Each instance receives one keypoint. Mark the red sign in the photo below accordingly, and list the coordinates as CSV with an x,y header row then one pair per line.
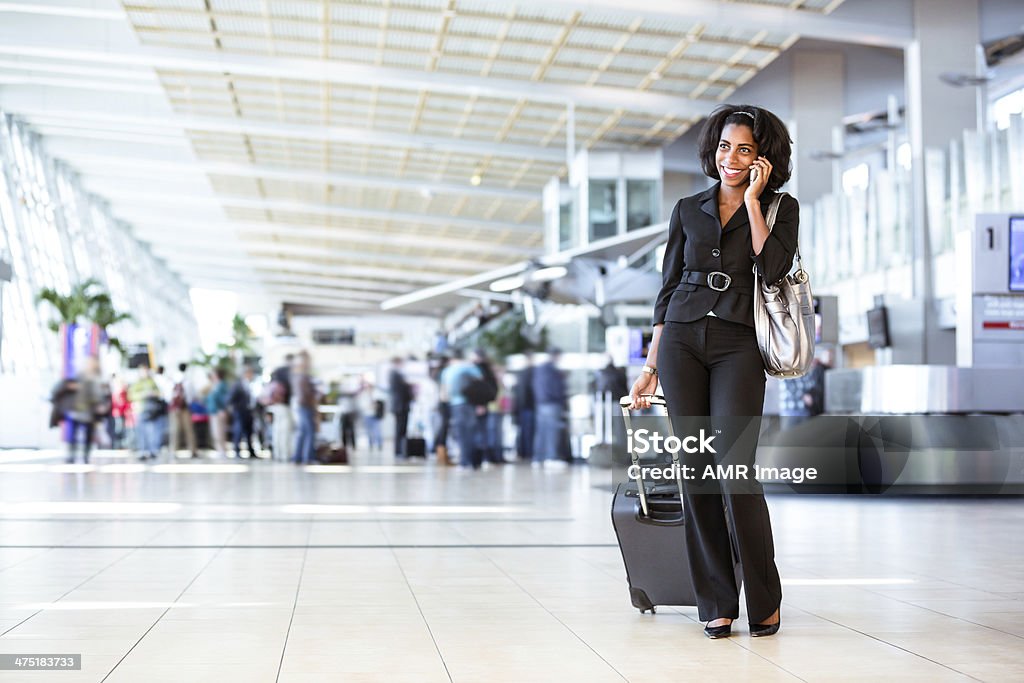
x,y
1003,325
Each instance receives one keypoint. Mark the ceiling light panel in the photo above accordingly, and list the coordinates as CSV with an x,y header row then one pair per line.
x,y
460,45
741,36
191,6
244,27
367,15
295,31
146,20
256,45
304,10
204,40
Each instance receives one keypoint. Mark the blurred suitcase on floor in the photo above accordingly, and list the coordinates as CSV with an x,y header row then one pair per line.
x,y
415,447
328,454
651,529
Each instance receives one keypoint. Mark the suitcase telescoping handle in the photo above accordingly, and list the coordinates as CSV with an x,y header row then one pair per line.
x,y
641,487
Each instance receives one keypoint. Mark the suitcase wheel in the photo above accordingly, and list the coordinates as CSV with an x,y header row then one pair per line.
x,y
653,609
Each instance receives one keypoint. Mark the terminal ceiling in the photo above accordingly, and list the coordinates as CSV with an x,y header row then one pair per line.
x,y
336,154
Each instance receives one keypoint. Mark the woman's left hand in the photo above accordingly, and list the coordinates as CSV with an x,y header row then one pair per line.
x,y
760,172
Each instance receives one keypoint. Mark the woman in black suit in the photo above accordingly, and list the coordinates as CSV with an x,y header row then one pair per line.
x,y
705,352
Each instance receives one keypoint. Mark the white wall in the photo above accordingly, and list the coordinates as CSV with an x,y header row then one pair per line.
x,y
1000,18
25,412
378,338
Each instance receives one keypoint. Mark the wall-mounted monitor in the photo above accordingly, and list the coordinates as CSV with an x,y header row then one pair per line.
x,y
138,355
817,320
639,343
1017,253
878,328
826,319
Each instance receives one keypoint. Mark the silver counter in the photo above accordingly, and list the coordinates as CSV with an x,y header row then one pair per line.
x,y
924,389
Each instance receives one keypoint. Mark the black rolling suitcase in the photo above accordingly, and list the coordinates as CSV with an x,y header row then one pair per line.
x,y
415,447
328,454
650,526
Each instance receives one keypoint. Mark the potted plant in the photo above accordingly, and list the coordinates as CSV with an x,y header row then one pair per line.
x,y
88,302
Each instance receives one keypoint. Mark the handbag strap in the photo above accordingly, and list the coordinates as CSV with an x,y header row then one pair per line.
x,y
773,212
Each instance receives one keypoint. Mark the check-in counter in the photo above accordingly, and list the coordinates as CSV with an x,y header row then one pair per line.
x,y
924,390
905,429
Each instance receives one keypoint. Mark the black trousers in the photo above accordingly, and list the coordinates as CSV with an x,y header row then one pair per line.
x,y
711,368
87,429
241,430
348,430
401,427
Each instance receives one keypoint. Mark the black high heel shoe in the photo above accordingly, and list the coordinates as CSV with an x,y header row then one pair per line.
x,y
762,630
715,632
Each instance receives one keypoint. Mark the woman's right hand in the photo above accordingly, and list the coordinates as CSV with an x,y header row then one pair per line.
x,y
644,386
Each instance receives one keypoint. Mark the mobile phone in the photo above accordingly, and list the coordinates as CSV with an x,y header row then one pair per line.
x,y
753,174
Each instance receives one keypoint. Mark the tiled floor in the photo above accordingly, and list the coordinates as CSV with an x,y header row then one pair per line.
x,y
267,572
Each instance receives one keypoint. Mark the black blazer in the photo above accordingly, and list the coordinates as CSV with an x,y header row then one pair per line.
x,y
698,245
401,392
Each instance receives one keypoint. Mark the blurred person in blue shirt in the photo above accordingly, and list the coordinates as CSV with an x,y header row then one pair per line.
x,y
217,409
456,379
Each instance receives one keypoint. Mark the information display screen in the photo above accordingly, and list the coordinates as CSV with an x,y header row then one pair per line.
x,y
878,328
1017,253
818,320
639,343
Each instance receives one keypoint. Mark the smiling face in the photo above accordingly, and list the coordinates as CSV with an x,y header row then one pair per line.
x,y
736,153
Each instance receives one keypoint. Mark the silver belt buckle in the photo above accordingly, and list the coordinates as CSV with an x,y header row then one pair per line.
x,y
718,273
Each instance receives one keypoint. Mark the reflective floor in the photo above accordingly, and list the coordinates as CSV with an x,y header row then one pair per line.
x,y
258,571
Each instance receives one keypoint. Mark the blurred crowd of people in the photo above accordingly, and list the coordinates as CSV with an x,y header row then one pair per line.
x,y
194,410
466,398
464,409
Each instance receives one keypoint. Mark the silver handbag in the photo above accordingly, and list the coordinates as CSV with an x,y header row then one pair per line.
x,y
784,316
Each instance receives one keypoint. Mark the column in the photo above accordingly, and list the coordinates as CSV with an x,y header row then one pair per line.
x,y
819,79
945,38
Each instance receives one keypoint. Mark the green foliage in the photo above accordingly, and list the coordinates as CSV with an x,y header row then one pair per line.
x,y
220,359
242,334
509,335
88,302
225,356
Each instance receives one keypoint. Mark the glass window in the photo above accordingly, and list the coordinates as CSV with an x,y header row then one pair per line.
x,y
566,225
604,209
856,178
56,234
1007,106
641,203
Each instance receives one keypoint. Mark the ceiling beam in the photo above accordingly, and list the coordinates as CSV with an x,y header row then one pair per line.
x,y
155,199
451,286
363,299
188,232
308,280
240,282
128,73
126,167
776,19
167,138
245,250
35,80
193,262
115,120
608,248
333,302
43,7
369,297
354,73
